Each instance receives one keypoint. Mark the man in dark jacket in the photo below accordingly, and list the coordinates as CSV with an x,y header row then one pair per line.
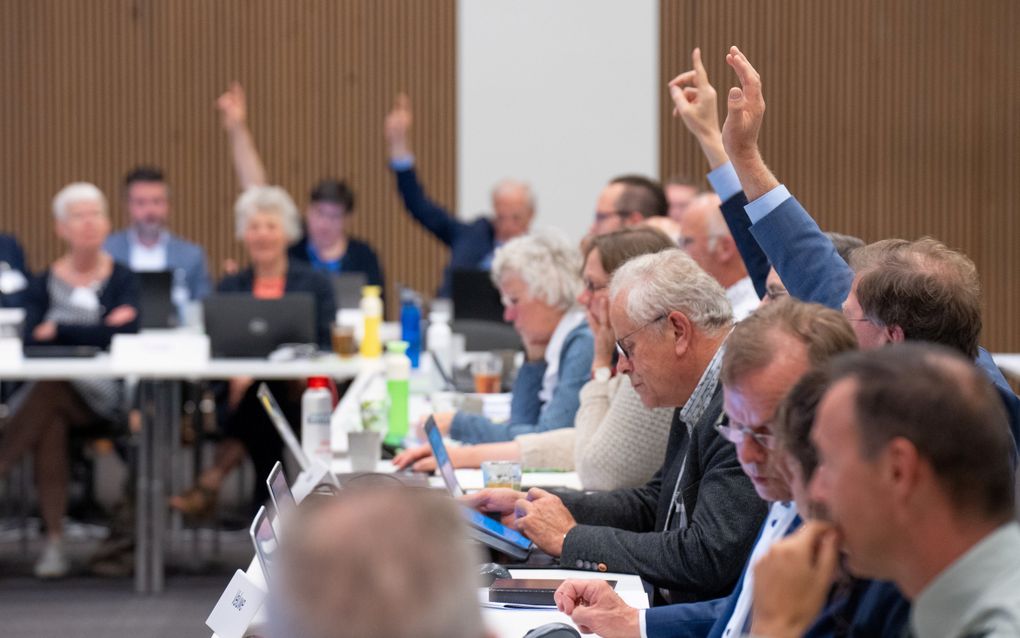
x,y
688,531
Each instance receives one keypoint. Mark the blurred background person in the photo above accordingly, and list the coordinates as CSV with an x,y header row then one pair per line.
x,y
13,272
627,200
680,192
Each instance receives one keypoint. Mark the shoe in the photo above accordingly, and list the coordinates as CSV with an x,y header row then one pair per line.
x,y
199,502
52,562
115,561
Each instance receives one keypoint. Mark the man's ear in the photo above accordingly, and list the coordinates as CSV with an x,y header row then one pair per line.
x,y
895,334
725,248
633,218
901,469
679,327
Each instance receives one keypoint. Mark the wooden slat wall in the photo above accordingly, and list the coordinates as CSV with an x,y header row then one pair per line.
x,y
90,89
885,118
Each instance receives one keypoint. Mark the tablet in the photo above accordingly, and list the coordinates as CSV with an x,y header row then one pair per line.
x,y
496,535
279,492
443,461
264,539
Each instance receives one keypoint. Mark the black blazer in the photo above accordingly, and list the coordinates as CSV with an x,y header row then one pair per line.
x,y
300,278
623,529
119,290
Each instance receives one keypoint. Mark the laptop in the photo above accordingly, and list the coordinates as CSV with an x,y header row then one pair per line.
x,y
347,289
239,325
443,462
279,492
155,304
264,539
474,296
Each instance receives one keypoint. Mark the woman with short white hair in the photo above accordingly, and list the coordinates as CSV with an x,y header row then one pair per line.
x,y
267,222
539,278
83,299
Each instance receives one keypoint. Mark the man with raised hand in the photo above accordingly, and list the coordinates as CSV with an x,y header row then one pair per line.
x,y
688,530
806,259
910,469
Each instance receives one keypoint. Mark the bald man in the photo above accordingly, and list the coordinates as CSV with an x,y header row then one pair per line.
x,y
706,238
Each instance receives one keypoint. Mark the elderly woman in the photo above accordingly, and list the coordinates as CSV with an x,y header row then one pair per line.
x,y
616,441
83,299
267,221
537,276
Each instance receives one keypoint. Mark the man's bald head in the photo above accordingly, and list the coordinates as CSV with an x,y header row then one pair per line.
x,y
706,238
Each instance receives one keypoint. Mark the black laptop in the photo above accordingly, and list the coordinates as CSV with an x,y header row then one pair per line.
x,y
474,296
240,325
347,288
156,305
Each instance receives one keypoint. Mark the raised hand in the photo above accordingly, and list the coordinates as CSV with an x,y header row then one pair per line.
x,y
745,108
694,99
793,579
232,107
595,607
397,126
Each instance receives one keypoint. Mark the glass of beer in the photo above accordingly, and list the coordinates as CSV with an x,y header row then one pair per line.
x,y
502,474
343,340
488,373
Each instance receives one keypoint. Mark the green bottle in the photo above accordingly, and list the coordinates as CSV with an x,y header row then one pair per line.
x,y
398,382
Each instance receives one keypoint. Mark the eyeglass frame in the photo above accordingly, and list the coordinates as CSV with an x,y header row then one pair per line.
x,y
738,432
619,342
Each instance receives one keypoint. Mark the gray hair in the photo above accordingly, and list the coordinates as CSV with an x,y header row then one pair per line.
x,y
549,265
514,187
267,199
669,281
378,562
75,193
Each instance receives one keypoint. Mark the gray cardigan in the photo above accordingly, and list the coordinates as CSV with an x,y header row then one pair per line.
x,y
622,530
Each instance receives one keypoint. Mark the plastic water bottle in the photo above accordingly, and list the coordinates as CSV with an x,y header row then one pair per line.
x,y
372,312
398,382
410,325
439,340
316,411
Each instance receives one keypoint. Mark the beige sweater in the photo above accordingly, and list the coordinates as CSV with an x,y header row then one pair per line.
x,y
615,442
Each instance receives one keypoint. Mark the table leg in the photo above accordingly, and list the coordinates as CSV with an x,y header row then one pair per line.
x,y
143,491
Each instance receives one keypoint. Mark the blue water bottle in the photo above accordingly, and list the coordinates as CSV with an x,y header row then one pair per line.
x,y
410,324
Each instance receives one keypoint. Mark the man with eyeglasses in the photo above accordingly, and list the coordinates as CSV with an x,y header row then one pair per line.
x,y
627,200
765,357
688,530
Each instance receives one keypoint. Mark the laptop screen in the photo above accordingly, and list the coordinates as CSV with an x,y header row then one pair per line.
x,y
264,539
279,490
443,461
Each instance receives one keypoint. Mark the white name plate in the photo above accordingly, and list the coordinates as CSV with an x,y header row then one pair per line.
x,y
159,350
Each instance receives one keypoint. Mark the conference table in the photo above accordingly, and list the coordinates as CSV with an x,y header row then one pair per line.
x,y
158,382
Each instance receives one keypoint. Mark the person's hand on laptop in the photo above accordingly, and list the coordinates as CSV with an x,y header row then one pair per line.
x,y
499,500
419,459
595,607
544,519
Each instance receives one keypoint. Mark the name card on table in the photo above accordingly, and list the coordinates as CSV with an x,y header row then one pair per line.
x,y
236,609
157,350
10,352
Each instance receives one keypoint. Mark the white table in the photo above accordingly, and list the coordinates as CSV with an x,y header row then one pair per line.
x,y
159,398
1010,362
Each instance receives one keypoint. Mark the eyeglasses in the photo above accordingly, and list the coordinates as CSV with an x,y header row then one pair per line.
x,y
601,216
626,352
736,433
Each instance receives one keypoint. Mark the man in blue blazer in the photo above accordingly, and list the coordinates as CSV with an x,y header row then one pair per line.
x,y
471,244
774,228
147,246
766,355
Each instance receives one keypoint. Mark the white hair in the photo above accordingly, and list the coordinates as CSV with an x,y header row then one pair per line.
x,y
75,193
668,281
267,199
548,264
514,187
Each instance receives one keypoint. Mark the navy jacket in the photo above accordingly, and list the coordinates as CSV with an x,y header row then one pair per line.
x,y
812,270
300,278
359,258
855,608
121,289
469,242
12,255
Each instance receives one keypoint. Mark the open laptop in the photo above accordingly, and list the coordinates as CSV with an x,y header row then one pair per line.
x,y
347,289
474,296
155,303
239,325
264,539
279,491
443,461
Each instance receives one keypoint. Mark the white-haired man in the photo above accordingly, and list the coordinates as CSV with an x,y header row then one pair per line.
x,y
687,531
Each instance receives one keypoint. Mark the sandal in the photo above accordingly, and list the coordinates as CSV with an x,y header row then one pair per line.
x,y
199,502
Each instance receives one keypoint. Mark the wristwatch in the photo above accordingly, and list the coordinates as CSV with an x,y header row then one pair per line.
x,y
602,374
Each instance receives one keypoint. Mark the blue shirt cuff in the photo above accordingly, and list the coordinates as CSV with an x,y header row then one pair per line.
x,y
724,181
759,208
402,163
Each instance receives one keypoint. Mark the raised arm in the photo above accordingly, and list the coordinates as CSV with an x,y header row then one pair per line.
x,y
234,119
802,254
694,100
